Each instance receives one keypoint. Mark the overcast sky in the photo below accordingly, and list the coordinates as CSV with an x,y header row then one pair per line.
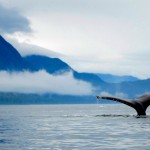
x,y
102,36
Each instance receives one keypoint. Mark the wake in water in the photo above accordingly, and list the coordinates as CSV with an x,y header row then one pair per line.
x,y
113,115
124,116
105,115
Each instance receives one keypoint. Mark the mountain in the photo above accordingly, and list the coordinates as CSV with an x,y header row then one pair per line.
x,y
123,86
10,59
90,77
55,65
20,98
130,88
136,88
116,79
51,65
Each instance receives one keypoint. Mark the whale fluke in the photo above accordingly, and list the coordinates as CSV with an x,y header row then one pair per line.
x,y
140,104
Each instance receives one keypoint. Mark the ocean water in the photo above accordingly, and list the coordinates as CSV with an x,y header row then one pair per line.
x,y
73,127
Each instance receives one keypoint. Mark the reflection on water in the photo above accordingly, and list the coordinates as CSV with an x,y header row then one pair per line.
x,y
67,127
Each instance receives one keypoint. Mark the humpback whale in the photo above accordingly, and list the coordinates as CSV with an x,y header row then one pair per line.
x,y
140,104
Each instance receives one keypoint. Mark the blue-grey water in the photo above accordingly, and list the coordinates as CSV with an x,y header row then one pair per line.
x,y
72,127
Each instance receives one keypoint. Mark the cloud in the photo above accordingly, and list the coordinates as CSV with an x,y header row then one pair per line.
x,y
25,48
12,21
42,82
117,94
107,36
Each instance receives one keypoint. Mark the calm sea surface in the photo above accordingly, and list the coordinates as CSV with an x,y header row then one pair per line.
x,y
73,127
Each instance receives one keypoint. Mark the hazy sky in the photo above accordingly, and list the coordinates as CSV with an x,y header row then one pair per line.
x,y
103,36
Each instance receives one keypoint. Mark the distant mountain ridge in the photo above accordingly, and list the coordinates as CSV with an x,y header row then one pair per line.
x,y
128,86
11,60
116,79
57,66
51,65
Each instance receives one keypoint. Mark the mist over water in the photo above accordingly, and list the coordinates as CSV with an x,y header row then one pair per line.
x,y
67,127
28,82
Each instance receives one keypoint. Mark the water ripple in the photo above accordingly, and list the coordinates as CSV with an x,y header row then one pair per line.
x,y
73,127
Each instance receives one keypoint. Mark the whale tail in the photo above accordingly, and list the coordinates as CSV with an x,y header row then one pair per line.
x,y
144,100
140,104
